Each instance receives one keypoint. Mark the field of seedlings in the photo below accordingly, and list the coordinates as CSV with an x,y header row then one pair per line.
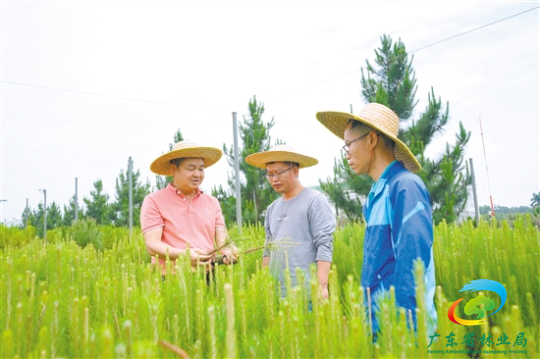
x,y
91,292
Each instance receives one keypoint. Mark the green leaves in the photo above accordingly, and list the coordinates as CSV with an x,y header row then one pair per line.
x,y
391,81
256,192
120,208
98,206
346,189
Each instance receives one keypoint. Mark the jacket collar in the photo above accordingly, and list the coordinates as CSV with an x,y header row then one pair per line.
x,y
377,187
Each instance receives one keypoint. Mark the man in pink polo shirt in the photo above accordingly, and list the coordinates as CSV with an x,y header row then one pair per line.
x,y
181,215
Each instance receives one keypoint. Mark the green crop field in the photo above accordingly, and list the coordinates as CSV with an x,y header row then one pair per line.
x,y
91,292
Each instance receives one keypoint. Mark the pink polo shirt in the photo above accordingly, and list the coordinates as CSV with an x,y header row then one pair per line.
x,y
183,222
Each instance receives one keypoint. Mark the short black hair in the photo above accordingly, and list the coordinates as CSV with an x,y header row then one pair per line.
x,y
176,162
357,125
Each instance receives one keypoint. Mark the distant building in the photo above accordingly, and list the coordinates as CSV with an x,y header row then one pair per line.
x,y
468,210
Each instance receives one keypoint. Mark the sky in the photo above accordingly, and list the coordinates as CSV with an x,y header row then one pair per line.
x,y
85,85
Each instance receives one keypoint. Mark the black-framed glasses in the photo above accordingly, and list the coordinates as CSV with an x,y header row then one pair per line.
x,y
269,176
346,148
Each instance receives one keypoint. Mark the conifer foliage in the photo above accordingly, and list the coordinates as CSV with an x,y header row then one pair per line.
x,y
391,81
256,192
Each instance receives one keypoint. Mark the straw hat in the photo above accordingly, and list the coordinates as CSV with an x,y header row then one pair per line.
x,y
280,153
183,149
380,118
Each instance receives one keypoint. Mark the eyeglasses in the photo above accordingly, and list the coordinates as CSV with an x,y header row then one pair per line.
x,y
346,147
269,176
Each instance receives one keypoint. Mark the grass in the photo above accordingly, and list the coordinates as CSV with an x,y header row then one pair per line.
x,y
62,300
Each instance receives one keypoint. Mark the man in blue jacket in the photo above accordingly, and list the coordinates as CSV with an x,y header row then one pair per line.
x,y
397,209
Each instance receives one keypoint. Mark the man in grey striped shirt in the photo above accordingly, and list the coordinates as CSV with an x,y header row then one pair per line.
x,y
301,219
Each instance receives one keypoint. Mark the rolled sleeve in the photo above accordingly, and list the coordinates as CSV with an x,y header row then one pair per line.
x,y
151,217
323,225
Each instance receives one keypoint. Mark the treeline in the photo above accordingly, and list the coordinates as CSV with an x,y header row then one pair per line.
x,y
99,206
511,213
505,213
505,210
389,80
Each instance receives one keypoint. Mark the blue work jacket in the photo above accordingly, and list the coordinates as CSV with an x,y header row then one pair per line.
x,y
399,230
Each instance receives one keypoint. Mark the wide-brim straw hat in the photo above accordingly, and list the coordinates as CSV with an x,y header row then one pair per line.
x,y
184,149
280,153
381,119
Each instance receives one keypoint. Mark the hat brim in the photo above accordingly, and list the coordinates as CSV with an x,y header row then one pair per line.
x,y
210,156
260,159
337,122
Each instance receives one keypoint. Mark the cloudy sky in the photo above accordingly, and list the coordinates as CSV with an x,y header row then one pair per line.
x,y
85,85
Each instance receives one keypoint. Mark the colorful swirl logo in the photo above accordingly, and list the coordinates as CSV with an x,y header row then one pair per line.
x,y
479,304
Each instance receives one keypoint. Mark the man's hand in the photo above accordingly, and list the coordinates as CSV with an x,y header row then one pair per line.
x,y
199,257
230,254
323,269
323,292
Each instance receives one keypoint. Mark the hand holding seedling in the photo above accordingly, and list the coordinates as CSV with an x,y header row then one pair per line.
x,y
199,257
229,255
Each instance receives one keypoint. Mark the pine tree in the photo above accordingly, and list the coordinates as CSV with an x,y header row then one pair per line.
x,y
391,81
256,192
98,206
535,200
69,212
345,189
163,181
394,82
35,218
54,216
120,208
27,213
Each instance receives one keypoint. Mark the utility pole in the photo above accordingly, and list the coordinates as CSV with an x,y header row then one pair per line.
x,y
487,174
130,175
76,202
44,214
476,212
237,175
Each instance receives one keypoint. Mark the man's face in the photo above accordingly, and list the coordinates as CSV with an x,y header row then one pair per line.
x,y
281,176
359,149
189,175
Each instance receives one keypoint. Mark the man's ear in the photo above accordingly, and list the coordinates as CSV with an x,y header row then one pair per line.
x,y
373,138
172,168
